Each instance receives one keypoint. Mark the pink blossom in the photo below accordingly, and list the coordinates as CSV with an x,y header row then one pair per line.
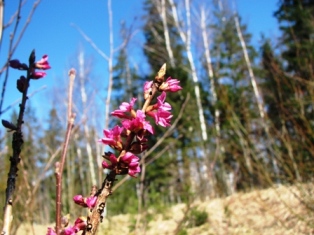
x,y
128,162
89,202
51,231
113,137
113,161
161,117
161,104
43,63
79,199
79,225
170,85
38,75
124,110
138,123
160,111
133,163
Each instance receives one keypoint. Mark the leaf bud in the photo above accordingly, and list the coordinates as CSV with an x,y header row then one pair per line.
x,y
9,125
22,84
32,57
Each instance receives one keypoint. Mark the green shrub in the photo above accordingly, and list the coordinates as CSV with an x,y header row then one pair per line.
x,y
197,218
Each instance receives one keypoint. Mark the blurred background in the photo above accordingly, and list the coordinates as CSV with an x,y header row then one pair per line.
x,y
243,122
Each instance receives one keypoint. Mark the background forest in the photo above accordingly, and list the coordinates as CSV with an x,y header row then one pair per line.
x,y
243,121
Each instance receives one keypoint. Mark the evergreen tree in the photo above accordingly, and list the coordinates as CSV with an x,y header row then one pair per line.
x,y
236,100
287,91
296,23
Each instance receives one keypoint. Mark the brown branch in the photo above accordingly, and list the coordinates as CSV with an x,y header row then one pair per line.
x,y
17,143
60,166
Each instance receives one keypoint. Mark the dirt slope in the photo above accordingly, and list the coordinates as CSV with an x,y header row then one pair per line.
x,y
277,211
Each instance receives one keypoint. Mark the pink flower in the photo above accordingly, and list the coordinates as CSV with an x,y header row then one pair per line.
x,y
113,161
161,104
113,138
162,116
125,108
128,164
133,163
89,202
170,85
38,75
16,64
51,231
138,123
79,225
43,63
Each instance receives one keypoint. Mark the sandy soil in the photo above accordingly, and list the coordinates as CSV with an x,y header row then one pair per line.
x,y
277,211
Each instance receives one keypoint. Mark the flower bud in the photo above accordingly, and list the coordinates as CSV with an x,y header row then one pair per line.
x,y
65,220
160,77
22,84
16,64
138,147
43,63
38,75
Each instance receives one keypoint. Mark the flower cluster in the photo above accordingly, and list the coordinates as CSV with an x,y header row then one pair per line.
x,y
23,83
79,225
34,74
130,138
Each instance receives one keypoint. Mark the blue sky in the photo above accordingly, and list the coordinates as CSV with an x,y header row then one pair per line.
x,y
50,32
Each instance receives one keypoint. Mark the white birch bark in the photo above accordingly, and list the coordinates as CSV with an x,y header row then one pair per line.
x,y
82,75
213,93
186,38
258,97
162,12
110,67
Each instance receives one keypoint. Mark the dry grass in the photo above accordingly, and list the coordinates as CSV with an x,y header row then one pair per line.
x,y
275,211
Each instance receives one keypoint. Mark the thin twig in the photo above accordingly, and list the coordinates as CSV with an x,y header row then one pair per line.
x,y
60,166
90,41
12,47
10,53
1,20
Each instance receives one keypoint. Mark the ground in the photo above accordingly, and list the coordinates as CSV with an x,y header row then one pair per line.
x,y
281,210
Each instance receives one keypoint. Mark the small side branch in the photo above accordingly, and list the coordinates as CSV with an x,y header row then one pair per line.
x,y
59,166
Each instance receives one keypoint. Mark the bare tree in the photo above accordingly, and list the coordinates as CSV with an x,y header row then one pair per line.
x,y
186,38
